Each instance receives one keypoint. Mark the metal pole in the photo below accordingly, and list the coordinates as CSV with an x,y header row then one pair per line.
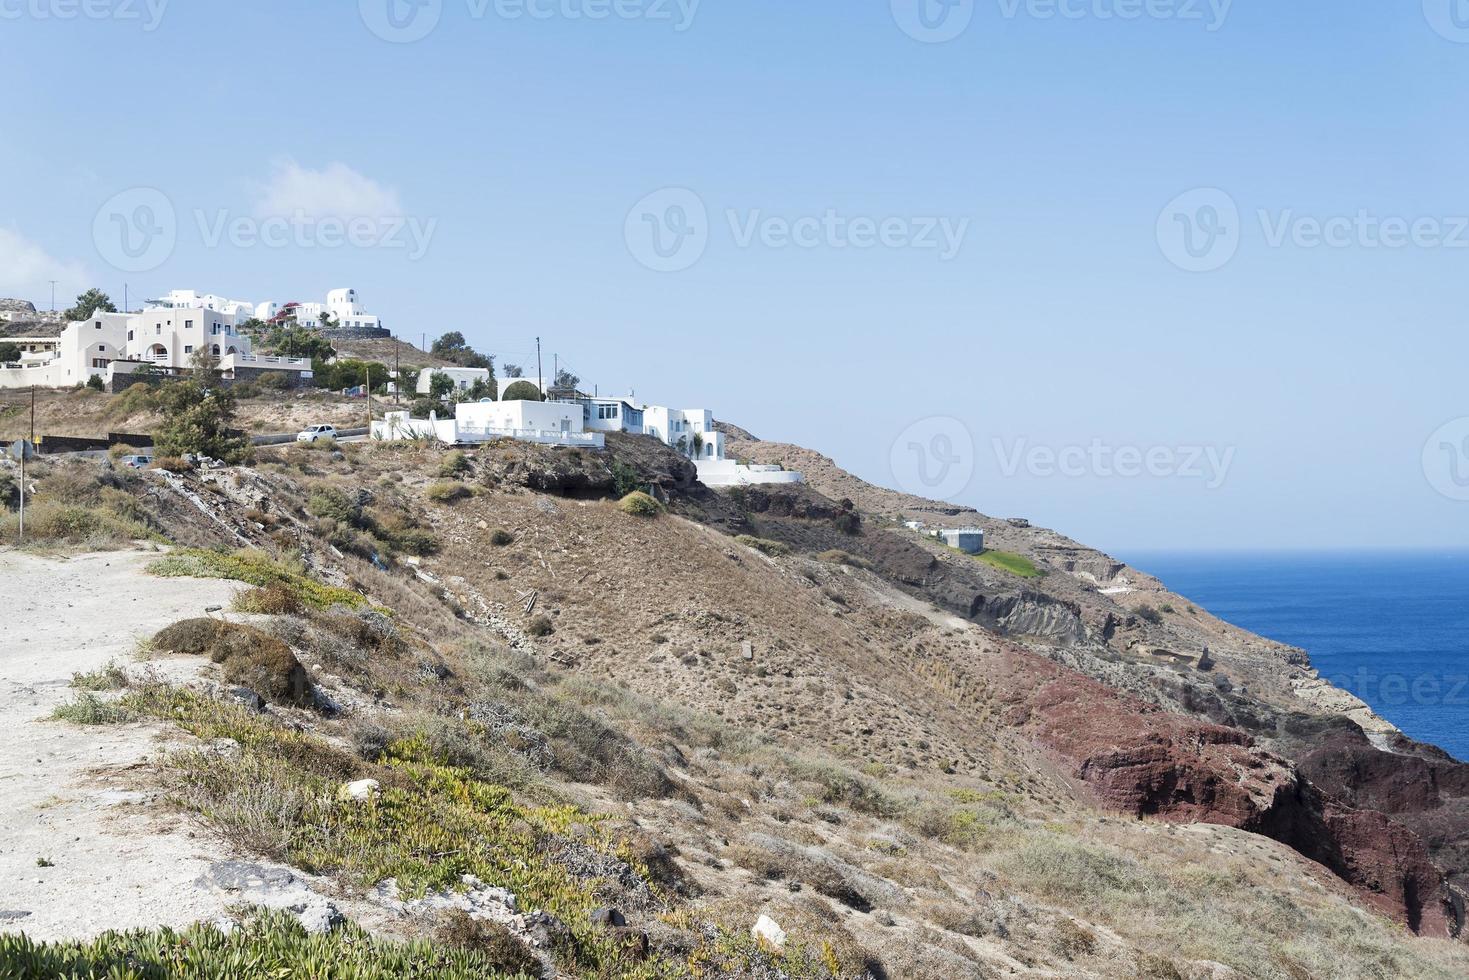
x,y
367,387
397,373
33,414
23,496
53,295
540,379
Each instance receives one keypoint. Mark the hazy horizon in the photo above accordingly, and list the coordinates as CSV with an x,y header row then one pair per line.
x,y
1184,281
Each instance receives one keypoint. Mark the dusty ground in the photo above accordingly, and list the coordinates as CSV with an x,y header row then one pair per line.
x,y
65,790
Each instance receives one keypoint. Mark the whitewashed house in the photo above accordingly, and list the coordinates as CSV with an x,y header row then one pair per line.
x,y
110,345
463,377
549,423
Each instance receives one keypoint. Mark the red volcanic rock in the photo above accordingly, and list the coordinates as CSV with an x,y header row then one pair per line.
x,y
1136,758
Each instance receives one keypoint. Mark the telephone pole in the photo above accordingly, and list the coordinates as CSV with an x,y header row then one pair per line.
x,y
540,379
53,295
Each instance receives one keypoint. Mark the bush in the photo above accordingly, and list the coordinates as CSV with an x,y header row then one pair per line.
x,y
447,491
639,504
500,537
197,420
1148,614
541,626
332,503
522,391
55,524
88,709
499,947
174,464
94,382
271,600
774,549
453,464
624,479
249,657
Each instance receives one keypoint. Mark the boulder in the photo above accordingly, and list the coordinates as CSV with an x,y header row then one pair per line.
x,y
766,931
362,789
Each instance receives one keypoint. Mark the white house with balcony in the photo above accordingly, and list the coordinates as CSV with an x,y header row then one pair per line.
x,y
166,337
549,423
463,377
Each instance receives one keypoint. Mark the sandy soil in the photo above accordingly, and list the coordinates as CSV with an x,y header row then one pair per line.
x,y
67,792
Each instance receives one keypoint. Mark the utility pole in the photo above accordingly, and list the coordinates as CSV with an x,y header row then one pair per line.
x,y
540,379
367,389
555,369
53,295
124,297
397,373
33,414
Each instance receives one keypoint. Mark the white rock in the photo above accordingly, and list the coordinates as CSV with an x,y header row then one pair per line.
x,y
362,789
319,917
765,930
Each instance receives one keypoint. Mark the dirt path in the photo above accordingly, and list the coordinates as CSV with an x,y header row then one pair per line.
x,y
116,860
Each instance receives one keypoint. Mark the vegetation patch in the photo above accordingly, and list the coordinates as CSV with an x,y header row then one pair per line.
x,y
255,568
639,504
268,944
774,549
447,491
88,709
248,657
51,523
1008,561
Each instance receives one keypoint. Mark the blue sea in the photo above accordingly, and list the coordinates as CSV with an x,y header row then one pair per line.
x,y
1391,627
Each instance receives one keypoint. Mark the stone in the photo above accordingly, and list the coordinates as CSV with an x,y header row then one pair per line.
x,y
884,917
362,789
319,917
766,931
747,650
247,697
607,917
10,915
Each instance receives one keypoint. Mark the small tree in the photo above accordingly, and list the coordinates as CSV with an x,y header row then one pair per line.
x,y
523,391
204,363
95,382
512,370
479,389
440,385
90,302
565,379
9,351
452,347
197,420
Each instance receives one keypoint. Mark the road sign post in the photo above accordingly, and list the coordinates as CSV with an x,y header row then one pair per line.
x,y
22,450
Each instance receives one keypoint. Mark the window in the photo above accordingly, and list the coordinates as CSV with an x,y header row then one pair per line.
x,y
130,335
99,324
188,324
102,348
188,348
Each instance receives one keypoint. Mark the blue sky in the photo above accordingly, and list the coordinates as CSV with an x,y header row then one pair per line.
x,y
1291,394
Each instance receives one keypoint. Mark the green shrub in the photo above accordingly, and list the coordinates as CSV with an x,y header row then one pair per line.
x,y
639,504
447,491
254,568
454,463
624,479
1010,562
774,549
333,503
268,944
88,709
522,391
1148,614
500,537
271,600
541,626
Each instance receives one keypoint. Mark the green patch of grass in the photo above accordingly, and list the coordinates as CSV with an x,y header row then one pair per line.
x,y
432,823
774,549
447,491
88,709
50,523
1008,561
268,944
254,568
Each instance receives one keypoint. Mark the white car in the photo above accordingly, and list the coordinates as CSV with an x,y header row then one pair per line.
x,y
313,433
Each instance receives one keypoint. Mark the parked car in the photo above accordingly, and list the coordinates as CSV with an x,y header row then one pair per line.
x,y
136,461
313,433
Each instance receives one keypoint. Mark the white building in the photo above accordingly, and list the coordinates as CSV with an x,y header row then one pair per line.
x,y
342,309
966,539
111,344
463,377
551,423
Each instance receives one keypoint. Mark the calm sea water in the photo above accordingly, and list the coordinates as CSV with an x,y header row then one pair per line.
x,y
1392,628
